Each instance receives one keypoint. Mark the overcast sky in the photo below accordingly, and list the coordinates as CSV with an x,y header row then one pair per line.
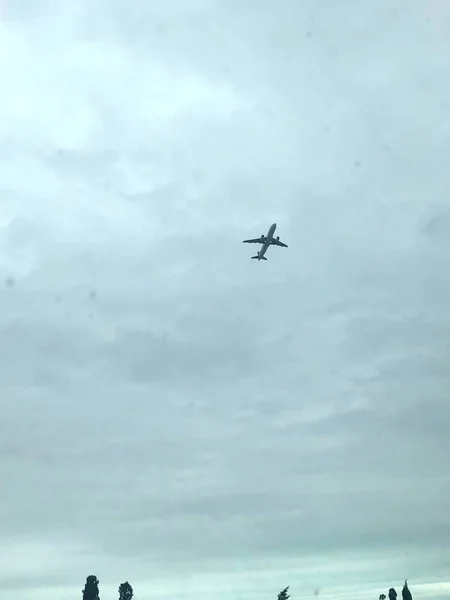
x,y
174,413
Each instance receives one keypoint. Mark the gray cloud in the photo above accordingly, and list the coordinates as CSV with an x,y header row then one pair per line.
x,y
174,414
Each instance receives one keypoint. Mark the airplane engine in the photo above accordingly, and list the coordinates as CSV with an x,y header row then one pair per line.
x,y
278,238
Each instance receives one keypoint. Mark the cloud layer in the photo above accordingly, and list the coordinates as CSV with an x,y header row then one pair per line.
x,y
173,413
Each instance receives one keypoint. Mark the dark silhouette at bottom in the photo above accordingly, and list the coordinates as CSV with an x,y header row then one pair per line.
x,y
91,591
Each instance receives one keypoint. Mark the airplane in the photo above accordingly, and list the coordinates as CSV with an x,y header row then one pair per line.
x,y
266,241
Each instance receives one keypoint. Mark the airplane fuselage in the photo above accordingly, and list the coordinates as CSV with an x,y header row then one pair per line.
x,y
266,241
269,238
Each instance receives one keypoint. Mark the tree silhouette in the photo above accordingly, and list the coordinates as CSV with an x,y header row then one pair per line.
x,y
406,594
283,595
392,594
90,591
125,591
382,597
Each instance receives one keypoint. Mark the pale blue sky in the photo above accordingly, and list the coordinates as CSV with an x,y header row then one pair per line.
x,y
174,413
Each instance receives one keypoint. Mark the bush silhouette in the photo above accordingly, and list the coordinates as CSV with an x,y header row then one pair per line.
x,y
90,591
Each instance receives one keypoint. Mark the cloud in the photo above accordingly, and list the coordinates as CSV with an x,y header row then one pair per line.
x,y
174,414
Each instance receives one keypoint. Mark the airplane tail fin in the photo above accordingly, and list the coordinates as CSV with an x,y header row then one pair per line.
x,y
259,257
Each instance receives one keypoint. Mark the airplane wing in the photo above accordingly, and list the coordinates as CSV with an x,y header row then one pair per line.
x,y
260,240
277,242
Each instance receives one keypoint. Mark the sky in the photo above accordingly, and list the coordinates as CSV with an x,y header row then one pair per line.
x,y
175,414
